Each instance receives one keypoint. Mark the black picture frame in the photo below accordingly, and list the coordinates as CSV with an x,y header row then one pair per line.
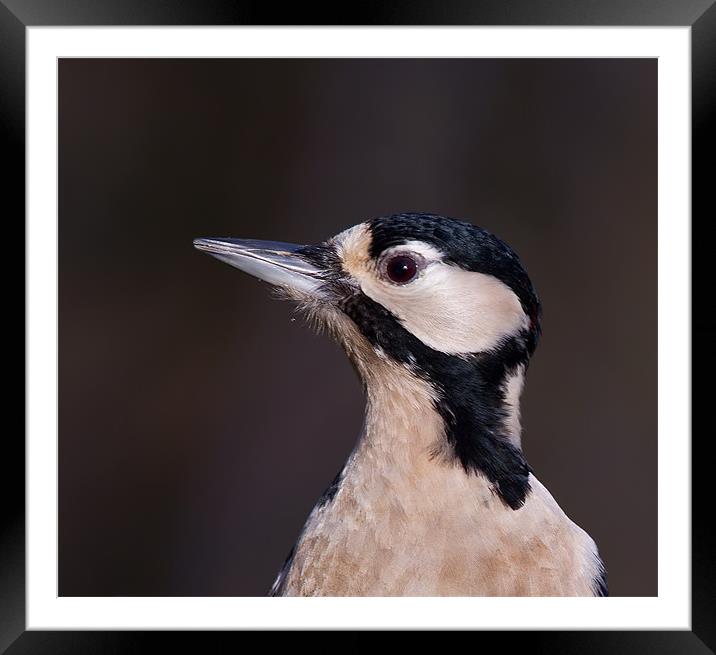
x,y
700,15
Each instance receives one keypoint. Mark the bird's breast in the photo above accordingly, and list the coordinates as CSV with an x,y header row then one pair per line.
x,y
379,538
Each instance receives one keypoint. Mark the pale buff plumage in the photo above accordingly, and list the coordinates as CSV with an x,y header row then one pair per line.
x,y
408,521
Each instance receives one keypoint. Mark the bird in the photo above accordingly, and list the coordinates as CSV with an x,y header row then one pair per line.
x,y
440,319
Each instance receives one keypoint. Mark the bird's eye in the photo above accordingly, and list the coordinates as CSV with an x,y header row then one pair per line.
x,y
401,269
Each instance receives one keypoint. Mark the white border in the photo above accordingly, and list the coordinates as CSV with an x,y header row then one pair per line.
x,y
672,607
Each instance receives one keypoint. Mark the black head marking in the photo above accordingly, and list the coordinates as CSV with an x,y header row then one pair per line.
x,y
325,257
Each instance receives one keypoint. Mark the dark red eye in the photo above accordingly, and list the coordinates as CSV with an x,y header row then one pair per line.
x,y
401,269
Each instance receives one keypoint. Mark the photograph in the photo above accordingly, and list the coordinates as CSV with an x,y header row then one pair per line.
x,y
468,231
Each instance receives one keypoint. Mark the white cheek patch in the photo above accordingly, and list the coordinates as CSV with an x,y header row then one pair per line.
x,y
451,310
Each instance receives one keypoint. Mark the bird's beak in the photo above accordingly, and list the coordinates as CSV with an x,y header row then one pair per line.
x,y
272,261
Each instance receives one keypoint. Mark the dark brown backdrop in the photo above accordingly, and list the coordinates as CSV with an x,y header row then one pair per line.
x,y
199,424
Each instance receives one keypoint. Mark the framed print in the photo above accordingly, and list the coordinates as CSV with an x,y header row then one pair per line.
x,y
182,429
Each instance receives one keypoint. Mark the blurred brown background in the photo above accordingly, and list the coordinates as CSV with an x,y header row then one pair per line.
x,y
199,424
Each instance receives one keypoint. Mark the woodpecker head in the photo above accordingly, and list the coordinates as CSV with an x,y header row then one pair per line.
x,y
447,301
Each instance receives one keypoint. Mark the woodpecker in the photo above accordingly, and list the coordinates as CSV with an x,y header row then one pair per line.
x,y
439,319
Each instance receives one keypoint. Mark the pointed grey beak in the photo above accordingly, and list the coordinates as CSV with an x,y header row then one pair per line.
x,y
271,261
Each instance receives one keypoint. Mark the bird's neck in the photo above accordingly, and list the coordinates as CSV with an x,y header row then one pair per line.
x,y
402,425
411,427
402,418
